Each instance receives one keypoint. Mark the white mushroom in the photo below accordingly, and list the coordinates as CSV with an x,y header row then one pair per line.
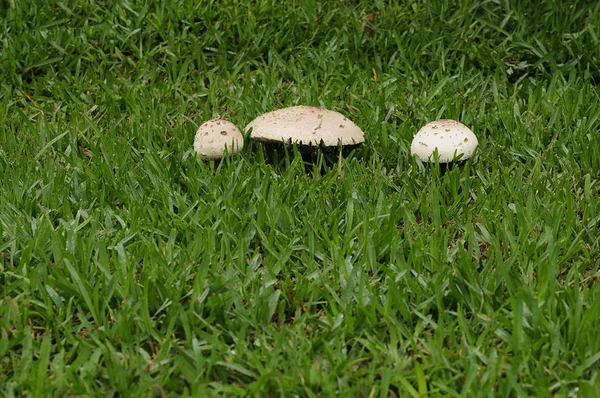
x,y
306,125
451,138
216,136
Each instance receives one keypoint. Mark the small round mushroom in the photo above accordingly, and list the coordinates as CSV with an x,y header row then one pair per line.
x,y
451,138
215,136
306,125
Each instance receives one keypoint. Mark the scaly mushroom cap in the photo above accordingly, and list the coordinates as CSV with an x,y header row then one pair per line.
x,y
306,125
448,136
214,136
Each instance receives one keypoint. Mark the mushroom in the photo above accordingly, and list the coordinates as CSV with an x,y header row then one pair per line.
x,y
305,125
215,137
451,138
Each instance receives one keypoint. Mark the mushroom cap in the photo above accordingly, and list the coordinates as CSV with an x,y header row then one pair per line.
x,y
448,136
305,125
214,136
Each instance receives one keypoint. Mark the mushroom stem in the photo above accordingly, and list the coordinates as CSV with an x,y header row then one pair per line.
x,y
340,157
215,164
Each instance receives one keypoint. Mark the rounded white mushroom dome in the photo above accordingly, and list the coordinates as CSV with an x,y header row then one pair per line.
x,y
451,138
216,136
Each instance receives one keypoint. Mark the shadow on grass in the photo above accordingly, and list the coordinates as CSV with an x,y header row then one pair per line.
x,y
316,160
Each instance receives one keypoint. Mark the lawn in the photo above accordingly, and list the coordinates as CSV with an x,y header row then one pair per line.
x,y
128,267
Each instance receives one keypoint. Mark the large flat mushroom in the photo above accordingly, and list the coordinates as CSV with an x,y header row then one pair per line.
x,y
306,126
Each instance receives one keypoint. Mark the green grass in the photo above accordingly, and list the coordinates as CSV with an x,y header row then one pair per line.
x,y
130,268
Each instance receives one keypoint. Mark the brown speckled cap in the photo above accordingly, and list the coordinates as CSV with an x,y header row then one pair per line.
x,y
448,136
306,125
214,136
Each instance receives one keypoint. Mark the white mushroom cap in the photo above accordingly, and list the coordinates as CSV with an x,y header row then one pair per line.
x,y
448,136
214,136
306,125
